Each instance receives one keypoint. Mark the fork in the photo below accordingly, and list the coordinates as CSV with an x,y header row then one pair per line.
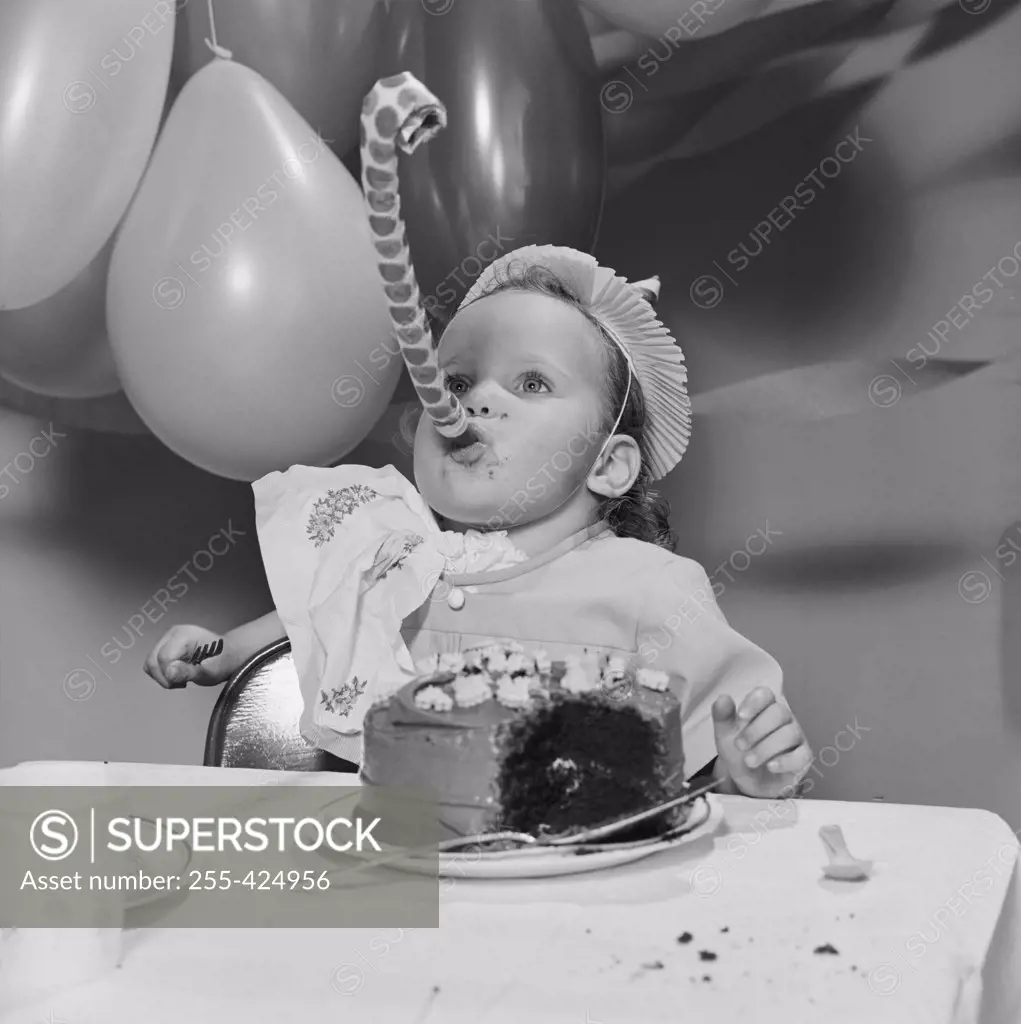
x,y
210,650
578,838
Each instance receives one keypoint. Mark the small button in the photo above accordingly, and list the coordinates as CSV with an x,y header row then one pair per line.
x,y
455,599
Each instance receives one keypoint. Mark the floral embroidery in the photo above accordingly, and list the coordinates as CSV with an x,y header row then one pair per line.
x,y
342,699
387,560
332,510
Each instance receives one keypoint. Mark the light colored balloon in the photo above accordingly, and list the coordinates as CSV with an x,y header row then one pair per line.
x,y
320,54
59,347
246,315
679,21
107,414
80,101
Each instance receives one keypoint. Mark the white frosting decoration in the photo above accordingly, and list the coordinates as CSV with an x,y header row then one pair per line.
x,y
452,661
590,663
617,665
543,662
578,679
653,679
433,698
519,663
473,659
513,693
470,691
496,660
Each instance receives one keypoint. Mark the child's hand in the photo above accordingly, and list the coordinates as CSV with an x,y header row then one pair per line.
x,y
167,666
761,746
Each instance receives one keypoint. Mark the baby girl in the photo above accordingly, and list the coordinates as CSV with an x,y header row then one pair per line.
x,y
548,530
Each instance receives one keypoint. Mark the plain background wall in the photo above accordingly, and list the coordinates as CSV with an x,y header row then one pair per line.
x,y
877,514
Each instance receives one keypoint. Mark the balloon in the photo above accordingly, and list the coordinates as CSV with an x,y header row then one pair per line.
x,y
679,20
59,346
521,160
107,414
246,316
319,53
80,101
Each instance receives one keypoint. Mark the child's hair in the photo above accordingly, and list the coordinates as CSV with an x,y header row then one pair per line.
x,y
641,513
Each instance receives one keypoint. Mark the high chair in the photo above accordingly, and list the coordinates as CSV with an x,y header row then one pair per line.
x,y
255,721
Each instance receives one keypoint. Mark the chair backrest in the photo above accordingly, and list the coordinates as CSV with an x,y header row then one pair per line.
x,y
255,723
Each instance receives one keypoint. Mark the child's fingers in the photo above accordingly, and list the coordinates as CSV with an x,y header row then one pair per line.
x,y
180,673
173,656
794,762
787,738
723,708
765,722
757,701
152,668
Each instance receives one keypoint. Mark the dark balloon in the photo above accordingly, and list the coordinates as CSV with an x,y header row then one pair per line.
x,y
522,159
319,53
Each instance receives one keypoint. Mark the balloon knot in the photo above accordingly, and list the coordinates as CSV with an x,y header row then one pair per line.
x,y
220,51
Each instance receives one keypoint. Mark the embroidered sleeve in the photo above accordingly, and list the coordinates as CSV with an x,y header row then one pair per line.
x,y
394,552
329,512
340,700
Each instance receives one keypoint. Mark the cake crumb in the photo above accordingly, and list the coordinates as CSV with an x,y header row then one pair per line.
x,y
707,977
827,948
655,965
705,954
725,929
685,938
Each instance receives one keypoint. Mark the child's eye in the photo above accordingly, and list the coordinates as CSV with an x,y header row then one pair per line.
x,y
455,384
533,383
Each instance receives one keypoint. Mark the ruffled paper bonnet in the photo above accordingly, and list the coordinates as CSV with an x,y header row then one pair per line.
x,y
629,319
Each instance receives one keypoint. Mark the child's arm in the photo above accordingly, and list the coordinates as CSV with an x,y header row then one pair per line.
x,y
682,631
166,662
250,638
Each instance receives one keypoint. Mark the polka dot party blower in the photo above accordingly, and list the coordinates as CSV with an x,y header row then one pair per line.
x,y
400,113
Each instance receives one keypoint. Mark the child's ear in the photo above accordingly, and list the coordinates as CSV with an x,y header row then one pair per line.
x,y
616,471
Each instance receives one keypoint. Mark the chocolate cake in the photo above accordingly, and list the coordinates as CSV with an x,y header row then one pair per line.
x,y
504,740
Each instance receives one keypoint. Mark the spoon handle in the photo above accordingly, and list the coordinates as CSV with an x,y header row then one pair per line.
x,y
832,837
484,839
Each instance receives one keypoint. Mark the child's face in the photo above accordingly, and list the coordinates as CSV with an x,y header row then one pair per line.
x,y
531,373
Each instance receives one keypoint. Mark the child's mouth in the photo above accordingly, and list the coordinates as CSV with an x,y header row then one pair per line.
x,y
470,454
470,447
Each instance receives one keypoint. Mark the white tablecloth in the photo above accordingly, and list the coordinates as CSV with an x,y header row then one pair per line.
x,y
934,936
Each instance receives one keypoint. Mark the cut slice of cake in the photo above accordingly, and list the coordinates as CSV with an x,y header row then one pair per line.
x,y
504,739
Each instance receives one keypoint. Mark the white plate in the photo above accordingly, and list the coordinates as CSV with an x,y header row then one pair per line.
x,y
549,861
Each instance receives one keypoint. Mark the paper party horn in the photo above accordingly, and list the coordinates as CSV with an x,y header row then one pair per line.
x,y
400,113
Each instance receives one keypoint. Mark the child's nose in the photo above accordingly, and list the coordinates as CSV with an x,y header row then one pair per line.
x,y
479,401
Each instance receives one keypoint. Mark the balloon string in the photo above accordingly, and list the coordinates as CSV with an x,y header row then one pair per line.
x,y
220,51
